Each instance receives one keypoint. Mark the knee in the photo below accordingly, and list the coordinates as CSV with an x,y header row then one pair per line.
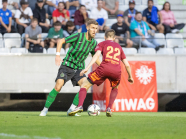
x,y
58,87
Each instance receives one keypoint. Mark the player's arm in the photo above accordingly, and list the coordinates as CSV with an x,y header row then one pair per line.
x,y
98,61
58,49
94,59
127,66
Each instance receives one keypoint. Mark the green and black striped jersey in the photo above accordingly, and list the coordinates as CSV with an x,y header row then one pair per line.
x,y
79,50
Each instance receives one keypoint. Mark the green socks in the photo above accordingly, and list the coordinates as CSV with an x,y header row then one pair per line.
x,y
51,97
76,100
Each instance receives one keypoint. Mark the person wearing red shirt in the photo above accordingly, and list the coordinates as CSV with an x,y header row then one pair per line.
x,y
110,68
61,14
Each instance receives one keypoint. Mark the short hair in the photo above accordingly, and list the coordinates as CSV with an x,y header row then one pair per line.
x,y
166,3
87,19
63,4
70,24
92,21
34,19
110,33
151,1
57,23
82,6
138,13
4,1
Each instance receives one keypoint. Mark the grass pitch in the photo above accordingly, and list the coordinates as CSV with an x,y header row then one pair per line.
x,y
56,125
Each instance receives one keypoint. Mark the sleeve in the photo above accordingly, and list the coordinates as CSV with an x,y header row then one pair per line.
x,y
50,35
54,14
144,13
93,50
133,26
147,26
27,30
17,14
72,38
30,13
65,33
40,30
68,14
99,47
122,54
10,14
125,14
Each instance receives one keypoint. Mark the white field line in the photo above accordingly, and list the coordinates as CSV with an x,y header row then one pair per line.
x,y
25,136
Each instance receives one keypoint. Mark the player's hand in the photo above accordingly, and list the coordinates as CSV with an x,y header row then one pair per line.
x,y
58,60
83,72
130,80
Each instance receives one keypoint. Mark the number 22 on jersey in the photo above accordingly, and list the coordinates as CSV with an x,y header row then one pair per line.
x,y
116,52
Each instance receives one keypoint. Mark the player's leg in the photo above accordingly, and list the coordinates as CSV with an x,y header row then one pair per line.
x,y
113,95
52,95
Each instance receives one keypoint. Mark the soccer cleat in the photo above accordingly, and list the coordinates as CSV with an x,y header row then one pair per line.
x,y
109,112
76,110
43,113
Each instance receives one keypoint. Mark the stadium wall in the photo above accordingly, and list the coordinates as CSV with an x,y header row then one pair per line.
x,y
36,73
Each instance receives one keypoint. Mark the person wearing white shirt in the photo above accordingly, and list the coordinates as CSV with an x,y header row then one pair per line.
x,y
23,16
100,15
53,5
89,4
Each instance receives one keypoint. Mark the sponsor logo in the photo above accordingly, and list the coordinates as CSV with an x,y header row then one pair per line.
x,y
144,74
62,75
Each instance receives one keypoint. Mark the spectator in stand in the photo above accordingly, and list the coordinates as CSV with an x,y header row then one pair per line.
x,y
55,34
22,16
61,14
122,32
10,2
140,30
112,7
71,6
169,21
89,4
53,5
33,37
40,13
150,15
6,19
69,30
83,28
80,16
129,14
100,15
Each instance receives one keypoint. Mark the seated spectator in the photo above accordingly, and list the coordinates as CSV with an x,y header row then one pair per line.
x,y
10,2
55,34
129,14
169,21
61,14
53,5
40,13
6,19
150,15
71,6
122,31
80,16
100,15
33,37
139,29
112,7
83,28
23,16
89,4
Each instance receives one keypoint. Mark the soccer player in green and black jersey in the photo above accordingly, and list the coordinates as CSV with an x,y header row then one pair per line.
x,y
81,45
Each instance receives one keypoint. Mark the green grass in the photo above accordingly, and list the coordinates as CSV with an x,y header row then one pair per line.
x,y
57,125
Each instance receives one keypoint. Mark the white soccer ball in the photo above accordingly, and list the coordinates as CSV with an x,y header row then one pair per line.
x,y
93,110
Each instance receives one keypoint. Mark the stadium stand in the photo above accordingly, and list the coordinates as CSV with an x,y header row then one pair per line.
x,y
147,51
53,51
9,43
161,38
130,50
12,36
174,40
19,50
165,51
180,51
4,50
100,35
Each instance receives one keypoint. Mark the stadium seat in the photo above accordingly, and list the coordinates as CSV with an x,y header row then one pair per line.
x,y
66,50
180,51
147,51
121,2
1,43
130,50
166,51
100,35
12,36
4,50
53,51
9,43
44,51
174,40
19,50
100,40
121,7
140,8
110,22
1,36
161,38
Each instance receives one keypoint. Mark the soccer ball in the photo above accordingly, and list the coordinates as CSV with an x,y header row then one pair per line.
x,y
93,110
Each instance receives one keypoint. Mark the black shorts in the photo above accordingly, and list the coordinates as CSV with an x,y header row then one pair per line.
x,y
68,73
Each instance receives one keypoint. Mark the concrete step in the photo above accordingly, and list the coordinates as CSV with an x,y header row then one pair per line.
x,y
179,14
